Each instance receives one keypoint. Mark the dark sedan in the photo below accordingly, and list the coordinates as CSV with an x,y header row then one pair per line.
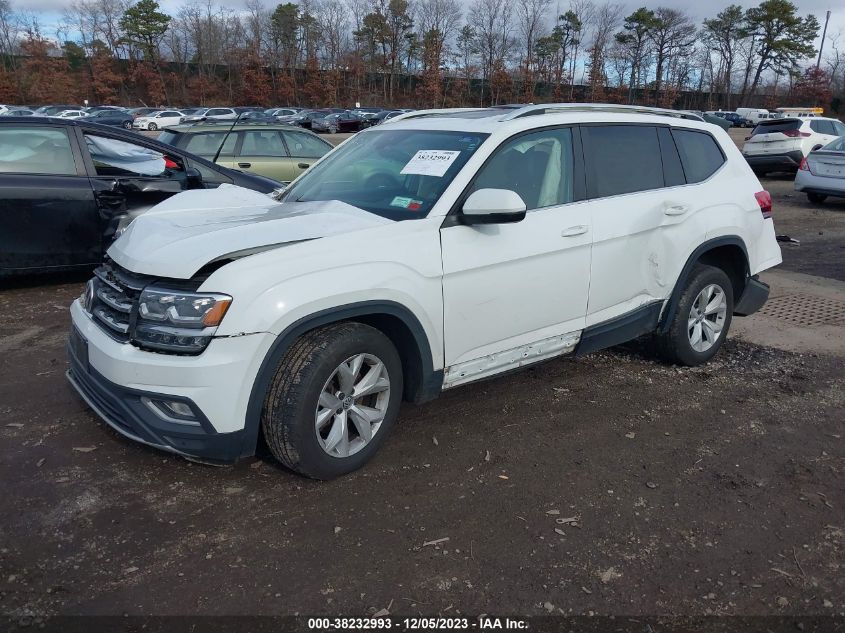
x,y
68,187
113,118
338,122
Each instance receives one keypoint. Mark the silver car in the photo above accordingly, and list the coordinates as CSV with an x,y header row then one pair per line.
x,y
822,173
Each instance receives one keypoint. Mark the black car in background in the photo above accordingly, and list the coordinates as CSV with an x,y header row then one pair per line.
x,y
114,118
68,187
338,122
737,120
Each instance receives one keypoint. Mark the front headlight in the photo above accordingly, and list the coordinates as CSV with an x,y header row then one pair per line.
x,y
176,321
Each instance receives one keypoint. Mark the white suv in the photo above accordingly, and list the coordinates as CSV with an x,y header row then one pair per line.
x,y
781,144
438,249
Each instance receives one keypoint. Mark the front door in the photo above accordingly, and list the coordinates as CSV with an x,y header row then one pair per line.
x,y
516,293
129,178
48,217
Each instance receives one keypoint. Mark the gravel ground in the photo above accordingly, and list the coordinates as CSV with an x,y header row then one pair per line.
x,y
611,484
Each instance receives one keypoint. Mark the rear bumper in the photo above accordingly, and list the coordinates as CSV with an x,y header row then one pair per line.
x,y
808,182
753,298
787,161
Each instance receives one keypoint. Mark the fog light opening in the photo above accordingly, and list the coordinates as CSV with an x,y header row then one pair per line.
x,y
174,411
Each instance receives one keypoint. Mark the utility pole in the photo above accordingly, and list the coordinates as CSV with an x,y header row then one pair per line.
x,y
821,46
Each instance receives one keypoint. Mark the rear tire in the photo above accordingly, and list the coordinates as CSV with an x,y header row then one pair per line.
x,y
313,421
127,125
760,173
816,198
702,318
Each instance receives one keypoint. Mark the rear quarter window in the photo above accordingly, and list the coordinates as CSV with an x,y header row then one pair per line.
x,y
701,156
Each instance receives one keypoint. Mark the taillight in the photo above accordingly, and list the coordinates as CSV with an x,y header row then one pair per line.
x,y
804,166
795,133
764,199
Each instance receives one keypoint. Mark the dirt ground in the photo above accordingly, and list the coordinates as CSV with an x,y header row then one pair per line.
x,y
611,484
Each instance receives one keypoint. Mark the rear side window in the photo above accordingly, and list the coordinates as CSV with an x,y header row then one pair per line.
x,y
621,159
823,127
776,125
35,150
701,155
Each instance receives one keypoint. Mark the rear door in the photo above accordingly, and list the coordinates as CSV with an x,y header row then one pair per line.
x,y
48,217
644,219
825,132
775,136
263,152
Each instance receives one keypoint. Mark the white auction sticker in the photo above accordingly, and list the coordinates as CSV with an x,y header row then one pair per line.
x,y
430,162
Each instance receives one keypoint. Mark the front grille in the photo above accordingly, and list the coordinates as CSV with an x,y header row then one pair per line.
x,y
114,304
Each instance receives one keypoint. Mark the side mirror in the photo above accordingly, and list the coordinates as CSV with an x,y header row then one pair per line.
x,y
493,206
194,177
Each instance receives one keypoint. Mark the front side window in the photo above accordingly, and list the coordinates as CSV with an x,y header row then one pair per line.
x,y
700,154
397,174
116,158
621,159
537,166
205,144
302,145
36,150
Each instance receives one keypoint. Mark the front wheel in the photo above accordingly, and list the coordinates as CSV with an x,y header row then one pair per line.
x,y
816,198
152,127
333,400
702,318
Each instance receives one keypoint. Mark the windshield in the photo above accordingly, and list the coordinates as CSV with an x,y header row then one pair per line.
x,y
397,174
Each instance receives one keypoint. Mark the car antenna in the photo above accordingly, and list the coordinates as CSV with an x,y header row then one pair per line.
x,y
225,137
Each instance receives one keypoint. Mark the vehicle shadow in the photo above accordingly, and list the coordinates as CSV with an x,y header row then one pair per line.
x,y
36,280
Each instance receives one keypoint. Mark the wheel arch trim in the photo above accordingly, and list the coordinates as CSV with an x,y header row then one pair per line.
x,y
430,380
695,256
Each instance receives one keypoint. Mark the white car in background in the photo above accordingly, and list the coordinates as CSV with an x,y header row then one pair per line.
x,y
211,114
822,173
438,249
781,144
72,114
158,120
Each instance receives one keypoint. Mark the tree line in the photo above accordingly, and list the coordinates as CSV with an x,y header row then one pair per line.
x,y
417,53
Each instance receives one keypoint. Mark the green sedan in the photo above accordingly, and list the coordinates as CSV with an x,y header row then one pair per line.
x,y
280,152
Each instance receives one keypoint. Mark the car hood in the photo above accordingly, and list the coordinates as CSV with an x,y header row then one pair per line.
x,y
178,237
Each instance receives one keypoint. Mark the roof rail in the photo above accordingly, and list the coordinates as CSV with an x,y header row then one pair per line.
x,y
551,108
418,114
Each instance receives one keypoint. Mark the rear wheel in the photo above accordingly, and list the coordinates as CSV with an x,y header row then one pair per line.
x,y
127,125
760,173
816,198
333,400
702,318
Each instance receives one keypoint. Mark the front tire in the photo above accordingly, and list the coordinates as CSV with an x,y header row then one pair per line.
x,y
152,127
702,318
816,198
333,400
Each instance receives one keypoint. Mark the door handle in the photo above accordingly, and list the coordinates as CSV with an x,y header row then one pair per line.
x,y
572,231
673,208
245,165
303,165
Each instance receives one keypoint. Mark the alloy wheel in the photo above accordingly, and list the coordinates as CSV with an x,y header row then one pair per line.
x,y
707,317
352,405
